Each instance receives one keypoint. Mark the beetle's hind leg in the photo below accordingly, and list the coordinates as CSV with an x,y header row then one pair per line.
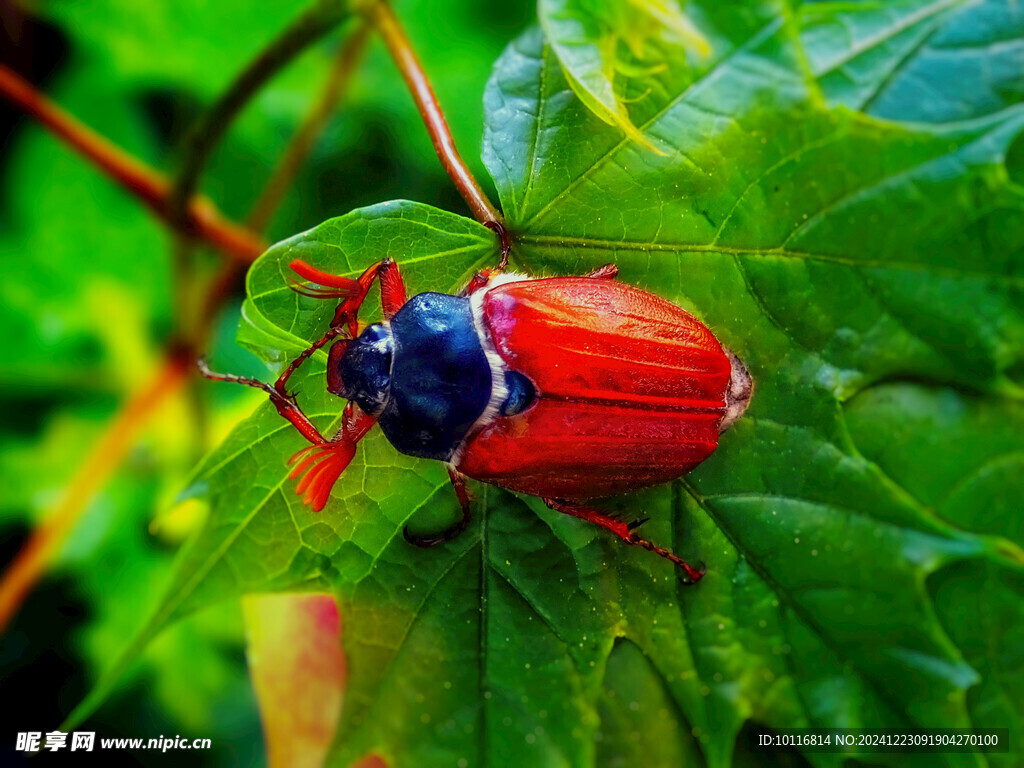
x,y
625,532
459,483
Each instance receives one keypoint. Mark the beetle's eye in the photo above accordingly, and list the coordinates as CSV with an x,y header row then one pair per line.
x,y
361,369
520,394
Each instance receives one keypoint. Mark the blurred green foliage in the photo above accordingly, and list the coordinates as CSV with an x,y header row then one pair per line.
x,y
835,189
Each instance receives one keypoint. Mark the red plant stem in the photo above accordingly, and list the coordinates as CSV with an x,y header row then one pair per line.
x,y
106,455
398,45
100,463
142,181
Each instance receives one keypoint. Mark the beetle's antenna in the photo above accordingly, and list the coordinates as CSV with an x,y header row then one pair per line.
x,y
320,466
339,285
314,292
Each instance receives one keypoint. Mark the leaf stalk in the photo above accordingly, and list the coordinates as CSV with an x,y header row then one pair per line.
x,y
401,50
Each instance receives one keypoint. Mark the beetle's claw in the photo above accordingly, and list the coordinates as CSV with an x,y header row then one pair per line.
x,y
439,538
423,541
284,394
693,575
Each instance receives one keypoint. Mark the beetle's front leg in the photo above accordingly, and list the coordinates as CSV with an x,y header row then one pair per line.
x,y
625,532
280,386
392,296
459,483
322,462
284,404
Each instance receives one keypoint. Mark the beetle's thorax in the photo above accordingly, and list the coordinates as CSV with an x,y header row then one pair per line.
x,y
431,375
423,375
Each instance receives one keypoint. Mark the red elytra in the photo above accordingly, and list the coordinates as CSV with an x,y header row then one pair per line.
x,y
630,390
624,389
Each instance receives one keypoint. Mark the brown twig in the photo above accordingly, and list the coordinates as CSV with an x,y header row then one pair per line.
x,y
302,142
398,45
292,160
204,135
142,181
100,464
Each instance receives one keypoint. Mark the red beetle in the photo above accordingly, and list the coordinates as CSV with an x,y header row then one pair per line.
x,y
566,388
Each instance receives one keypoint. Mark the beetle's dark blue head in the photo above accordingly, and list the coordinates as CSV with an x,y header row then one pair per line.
x,y
360,369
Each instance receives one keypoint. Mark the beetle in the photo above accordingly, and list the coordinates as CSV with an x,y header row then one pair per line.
x,y
565,388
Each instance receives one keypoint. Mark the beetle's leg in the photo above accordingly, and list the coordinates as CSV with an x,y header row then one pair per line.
x,y
322,462
282,380
320,465
625,532
459,482
392,287
480,280
285,404
483,278
607,272
392,294
392,290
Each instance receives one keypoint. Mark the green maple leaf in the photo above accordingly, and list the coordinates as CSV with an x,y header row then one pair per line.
x,y
585,37
859,524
